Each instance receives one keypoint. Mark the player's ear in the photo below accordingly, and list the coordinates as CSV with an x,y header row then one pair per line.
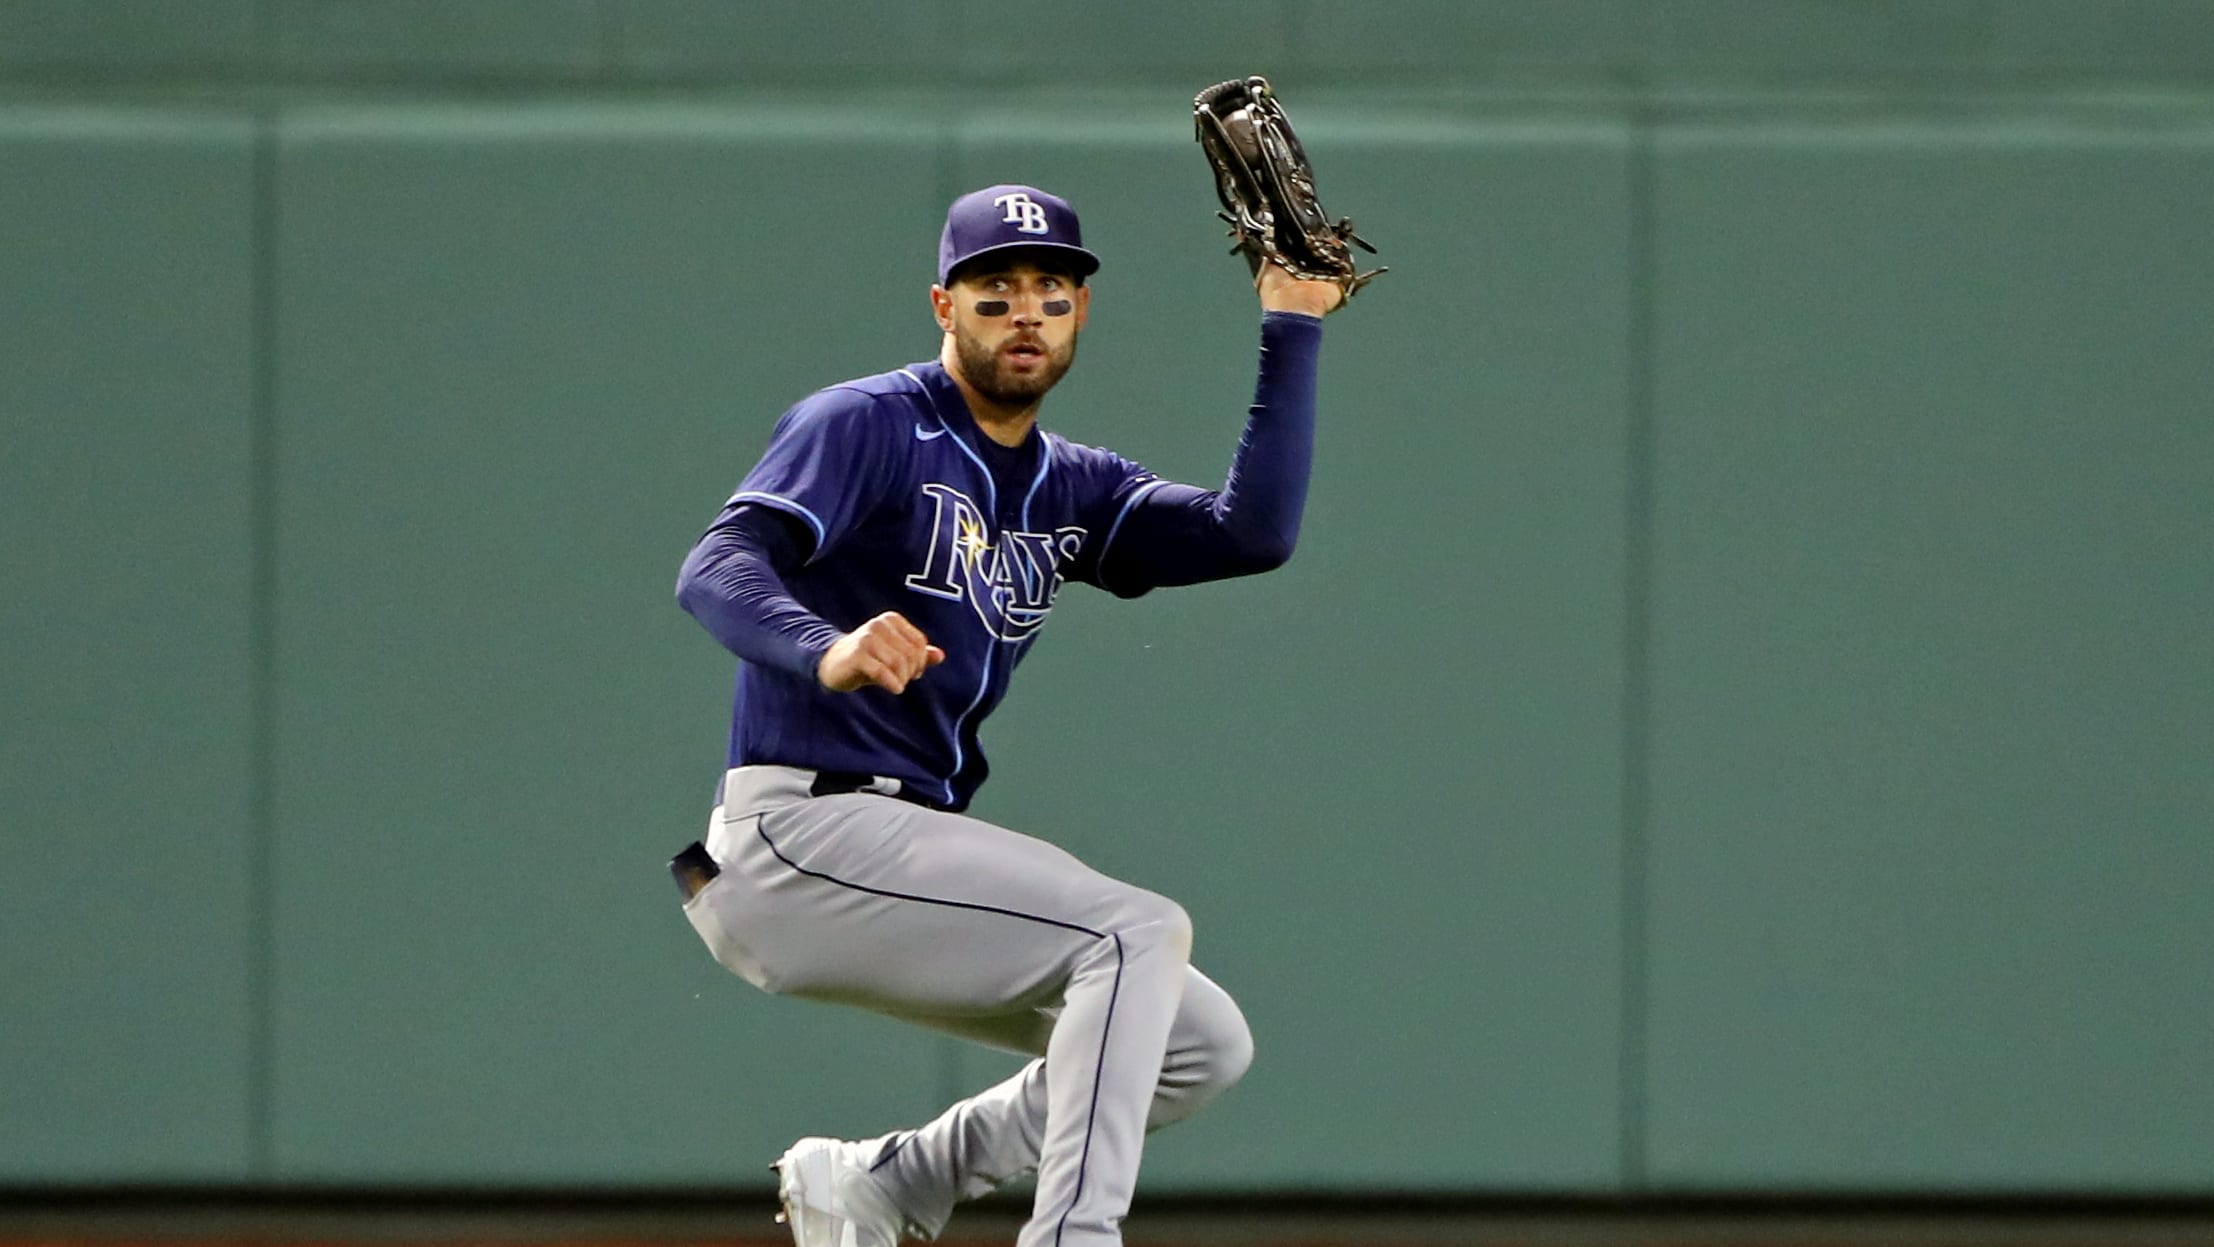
x,y
1083,304
941,306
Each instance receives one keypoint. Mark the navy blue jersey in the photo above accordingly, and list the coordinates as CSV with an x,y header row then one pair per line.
x,y
889,474
912,508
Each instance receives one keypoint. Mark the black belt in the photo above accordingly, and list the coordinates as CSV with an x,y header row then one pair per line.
x,y
836,783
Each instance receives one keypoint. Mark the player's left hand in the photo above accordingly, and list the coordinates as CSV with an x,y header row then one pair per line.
x,y
1282,292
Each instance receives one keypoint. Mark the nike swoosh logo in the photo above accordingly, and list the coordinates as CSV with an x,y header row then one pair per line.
x,y
922,436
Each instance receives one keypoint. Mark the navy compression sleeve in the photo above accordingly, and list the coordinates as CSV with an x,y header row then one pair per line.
x,y
733,583
1181,534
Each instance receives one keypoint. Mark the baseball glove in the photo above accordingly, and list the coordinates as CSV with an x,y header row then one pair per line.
x,y
1268,188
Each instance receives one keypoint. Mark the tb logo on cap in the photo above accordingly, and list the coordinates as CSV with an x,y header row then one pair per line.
x,y
1027,215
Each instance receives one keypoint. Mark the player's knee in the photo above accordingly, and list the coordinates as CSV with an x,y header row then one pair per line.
x,y
1210,1050
1229,1053
1179,926
1147,923
1160,922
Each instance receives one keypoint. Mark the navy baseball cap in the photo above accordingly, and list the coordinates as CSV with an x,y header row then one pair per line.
x,y
1001,218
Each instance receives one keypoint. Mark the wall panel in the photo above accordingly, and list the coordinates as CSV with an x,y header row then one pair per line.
x,y
1932,678
1385,779
126,469
526,355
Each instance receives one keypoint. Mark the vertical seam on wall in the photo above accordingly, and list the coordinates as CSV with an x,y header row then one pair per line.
x,y
1637,622
261,953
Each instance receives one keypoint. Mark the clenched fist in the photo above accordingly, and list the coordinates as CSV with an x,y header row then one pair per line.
x,y
887,651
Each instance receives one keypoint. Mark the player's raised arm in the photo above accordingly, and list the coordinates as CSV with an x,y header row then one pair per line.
x,y
1174,534
1303,269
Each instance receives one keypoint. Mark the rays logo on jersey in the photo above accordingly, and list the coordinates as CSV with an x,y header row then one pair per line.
x,y
1010,583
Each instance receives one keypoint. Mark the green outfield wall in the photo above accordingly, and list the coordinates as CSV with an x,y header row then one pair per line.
x,y
1741,716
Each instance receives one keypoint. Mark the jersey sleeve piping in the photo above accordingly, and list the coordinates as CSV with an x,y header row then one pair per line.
x,y
787,506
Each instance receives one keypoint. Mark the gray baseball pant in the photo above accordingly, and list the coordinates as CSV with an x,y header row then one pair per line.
x,y
969,928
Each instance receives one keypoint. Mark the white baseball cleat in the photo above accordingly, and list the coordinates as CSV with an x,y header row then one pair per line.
x,y
830,1199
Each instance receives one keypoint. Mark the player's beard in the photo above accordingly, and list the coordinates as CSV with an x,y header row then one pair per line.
x,y
983,369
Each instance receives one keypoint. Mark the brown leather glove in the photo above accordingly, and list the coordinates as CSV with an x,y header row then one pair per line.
x,y
1268,188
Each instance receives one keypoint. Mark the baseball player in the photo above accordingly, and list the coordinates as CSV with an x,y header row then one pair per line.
x,y
881,573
